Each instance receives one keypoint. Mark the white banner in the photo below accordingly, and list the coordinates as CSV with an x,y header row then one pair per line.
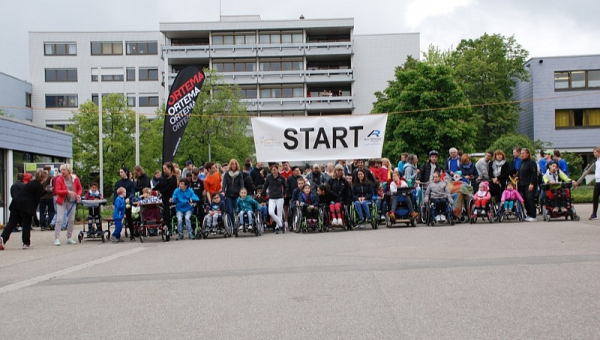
x,y
318,138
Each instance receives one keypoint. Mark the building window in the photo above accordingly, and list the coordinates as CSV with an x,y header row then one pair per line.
x,y
107,48
577,118
281,65
234,39
61,75
60,49
235,66
145,101
280,37
247,93
108,74
131,74
148,74
576,80
282,92
144,47
27,99
189,41
130,100
61,100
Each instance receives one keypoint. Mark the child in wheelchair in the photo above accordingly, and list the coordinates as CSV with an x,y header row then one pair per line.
x,y
555,193
94,212
150,211
399,182
509,197
439,196
184,198
213,213
482,200
246,208
309,202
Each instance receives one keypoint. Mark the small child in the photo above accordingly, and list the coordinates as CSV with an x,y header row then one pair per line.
x,y
118,214
310,203
246,206
152,211
328,199
263,202
481,197
554,177
509,196
381,203
214,211
94,215
183,198
295,200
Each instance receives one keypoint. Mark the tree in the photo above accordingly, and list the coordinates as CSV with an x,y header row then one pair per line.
x,y
428,110
488,69
507,142
118,129
2,113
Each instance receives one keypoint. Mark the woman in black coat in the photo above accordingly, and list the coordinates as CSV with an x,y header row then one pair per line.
x,y
166,187
498,171
23,208
527,183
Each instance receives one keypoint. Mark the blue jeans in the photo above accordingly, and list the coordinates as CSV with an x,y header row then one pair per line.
x,y
230,205
362,207
264,212
247,213
381,206
188,222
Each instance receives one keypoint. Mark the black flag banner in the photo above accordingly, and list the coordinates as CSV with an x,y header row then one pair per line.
x,y
180,104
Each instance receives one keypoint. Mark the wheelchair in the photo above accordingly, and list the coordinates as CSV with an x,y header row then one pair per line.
x,y
325,217
433,216
193,220
257,224
304,224
516,213
374,222
488,213
401,212
547,206
224,227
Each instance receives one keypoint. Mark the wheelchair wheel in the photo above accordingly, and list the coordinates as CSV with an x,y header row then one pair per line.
x,y
227,225
323,220
80,236
545,214
297,220
374,216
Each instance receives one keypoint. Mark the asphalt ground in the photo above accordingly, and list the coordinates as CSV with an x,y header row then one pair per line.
x,y
510,280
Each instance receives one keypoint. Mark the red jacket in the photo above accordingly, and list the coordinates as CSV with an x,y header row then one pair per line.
x,y
61,191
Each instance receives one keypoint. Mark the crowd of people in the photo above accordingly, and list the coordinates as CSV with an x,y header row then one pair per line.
x,y
214,189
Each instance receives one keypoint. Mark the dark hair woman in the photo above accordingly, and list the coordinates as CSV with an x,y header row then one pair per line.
x,y
23,207
527,183
167,186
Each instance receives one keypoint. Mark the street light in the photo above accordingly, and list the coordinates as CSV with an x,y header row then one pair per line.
x,y
209,153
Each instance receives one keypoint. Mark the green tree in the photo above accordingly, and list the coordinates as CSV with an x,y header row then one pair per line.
x,y
428,111
2,113
118,129
509,141
488,69
434,56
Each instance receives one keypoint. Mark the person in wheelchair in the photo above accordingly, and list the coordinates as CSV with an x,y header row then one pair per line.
x,y
246,207
213,212
438,194
183,197
362,193
481,198
399,182
553,178
509,196
309,202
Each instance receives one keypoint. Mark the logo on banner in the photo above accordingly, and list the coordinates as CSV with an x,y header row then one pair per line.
x,y
373,138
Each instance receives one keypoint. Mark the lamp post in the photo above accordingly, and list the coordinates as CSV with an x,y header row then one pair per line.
x,y
209,153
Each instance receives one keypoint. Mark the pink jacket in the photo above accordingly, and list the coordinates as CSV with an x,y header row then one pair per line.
x,y
511,195
481,196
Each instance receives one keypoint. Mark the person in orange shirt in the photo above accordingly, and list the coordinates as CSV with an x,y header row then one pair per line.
x,y
212,182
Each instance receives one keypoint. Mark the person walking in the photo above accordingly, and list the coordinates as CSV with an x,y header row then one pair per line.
x,y
596,194
23,207
68,192
126,182
46,203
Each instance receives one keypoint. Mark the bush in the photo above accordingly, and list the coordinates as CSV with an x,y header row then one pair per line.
x,y
582,194
575,163
506,143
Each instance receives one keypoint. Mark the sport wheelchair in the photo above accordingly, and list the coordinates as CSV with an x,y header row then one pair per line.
x,y
563,196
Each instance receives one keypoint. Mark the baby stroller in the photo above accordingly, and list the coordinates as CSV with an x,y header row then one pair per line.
x,y
561,194
94,230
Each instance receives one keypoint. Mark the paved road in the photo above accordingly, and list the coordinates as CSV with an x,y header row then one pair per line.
x,y
485,281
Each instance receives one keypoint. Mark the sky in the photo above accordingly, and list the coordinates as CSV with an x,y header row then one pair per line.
x,y
544,28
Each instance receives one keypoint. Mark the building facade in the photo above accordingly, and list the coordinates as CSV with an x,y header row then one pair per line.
x,y
15,97
290,67
561,102
70,68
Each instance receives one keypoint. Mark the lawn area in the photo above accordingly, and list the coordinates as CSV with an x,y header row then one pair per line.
x,y
583,194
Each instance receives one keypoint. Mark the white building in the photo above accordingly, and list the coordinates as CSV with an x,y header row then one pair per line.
x,y
283,67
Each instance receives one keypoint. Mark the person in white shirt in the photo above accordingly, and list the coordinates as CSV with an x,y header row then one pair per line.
x,y
596,195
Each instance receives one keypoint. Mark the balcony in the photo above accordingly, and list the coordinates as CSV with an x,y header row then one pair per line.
x,y
258,50
328,76
344,103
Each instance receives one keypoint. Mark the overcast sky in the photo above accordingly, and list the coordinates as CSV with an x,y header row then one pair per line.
x,y
544,28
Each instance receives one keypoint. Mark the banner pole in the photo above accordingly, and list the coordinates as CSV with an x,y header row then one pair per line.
x,y
100,144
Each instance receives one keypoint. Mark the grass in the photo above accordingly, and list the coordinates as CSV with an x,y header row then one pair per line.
x,y
582,194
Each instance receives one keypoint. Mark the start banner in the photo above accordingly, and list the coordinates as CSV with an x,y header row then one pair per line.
x,y
318,138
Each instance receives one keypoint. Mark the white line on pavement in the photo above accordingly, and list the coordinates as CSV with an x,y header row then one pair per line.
x,y
33,281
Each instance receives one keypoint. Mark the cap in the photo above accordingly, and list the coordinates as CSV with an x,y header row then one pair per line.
x,y
548,152
188,163
433,152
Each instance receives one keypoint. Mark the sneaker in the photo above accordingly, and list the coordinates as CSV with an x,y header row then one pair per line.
x,y
283,228
555,210
593,217
115,240
179,237
1,244
531,219
57,242
71,241
27,246
414,214
473,216
241,228
249,228
392,217
191,236
276,230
